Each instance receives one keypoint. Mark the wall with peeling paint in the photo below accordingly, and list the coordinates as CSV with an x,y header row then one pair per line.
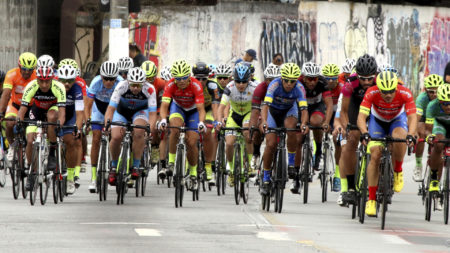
x,y
416,40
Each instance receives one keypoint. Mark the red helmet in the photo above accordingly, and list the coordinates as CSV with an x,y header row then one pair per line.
x,y
44,73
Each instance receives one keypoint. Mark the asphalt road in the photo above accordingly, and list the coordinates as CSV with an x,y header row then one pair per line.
x,y
153,224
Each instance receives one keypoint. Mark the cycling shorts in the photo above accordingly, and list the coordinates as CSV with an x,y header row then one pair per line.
x,y
209,119
318,109
379,129
236,120
37,113
70,122
275,117
441,128
12,110
117,117
190,118
97,116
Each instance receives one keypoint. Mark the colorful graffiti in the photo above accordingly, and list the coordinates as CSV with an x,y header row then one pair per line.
x,y
294,39
145,35
375,33
439,46
355,39
328,43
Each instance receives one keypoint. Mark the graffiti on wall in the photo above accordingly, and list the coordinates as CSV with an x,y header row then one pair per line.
x,y
144,32
294,39
375,33
438,45
328,43
355,39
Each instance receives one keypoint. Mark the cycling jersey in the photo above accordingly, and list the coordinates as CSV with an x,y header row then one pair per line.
x,y
341,78
101,94
210,94
278,98
422,102
353,90
185,98
80,82
241,102
259,94
402,102
335,93
316,95
15,82
74,101
220,90
437,117
159,85
128,103
33,95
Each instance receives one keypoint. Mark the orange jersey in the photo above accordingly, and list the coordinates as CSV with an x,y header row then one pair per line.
x,y
16,83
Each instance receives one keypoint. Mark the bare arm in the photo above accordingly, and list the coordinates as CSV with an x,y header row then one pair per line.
x,y
329,113
88,107
344,111
412,124
62,115
362,122
109,114
215,108
254,117
201,112
80,118
152,116
164,110
21,114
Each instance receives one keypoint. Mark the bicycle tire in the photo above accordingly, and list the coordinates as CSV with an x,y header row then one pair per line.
x,y
34,175
446,190
386,189
23,183
305,170
137,186
158,169
100,172
428,203
15,173
237,173
121,174
179,177
363,190
324,176
43,189
144,181
55,189
2,172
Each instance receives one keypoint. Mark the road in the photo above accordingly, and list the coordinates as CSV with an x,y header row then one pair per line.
x,y
153,224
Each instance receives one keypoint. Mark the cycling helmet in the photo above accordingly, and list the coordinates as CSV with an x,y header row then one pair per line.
x,y
212,70
125,63
241,72
272,71
45,60
330,69
27,60
349,65
136,75
250,66
109,69
290,70
165,73
310,69
433,81
387,67
387,80
44,73
200,69
180,68
150,69
67,72
68,61
224,70
366,65
443,92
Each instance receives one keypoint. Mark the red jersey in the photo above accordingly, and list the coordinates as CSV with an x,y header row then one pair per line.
x,y
259,94
335,93
186,98
80,82
402,102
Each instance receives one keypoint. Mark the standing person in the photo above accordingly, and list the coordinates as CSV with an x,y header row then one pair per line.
x,y
136,54
447,73
249,56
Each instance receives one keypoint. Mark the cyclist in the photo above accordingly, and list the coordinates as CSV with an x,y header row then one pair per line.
x,y
238,94
45,60
284,98
133,100
125,63
98,97
438,127
187,108
352,96
74,116
46,99
331,73
392,112
15,81
270,73
165,73
347,69
431,83
212,72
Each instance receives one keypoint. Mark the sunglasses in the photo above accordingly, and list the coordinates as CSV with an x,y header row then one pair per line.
x,y
26,69
240,81
366,78
445,103
290,80
135,84
222,77
202,79
329,79
386,92
181,78
109,79
312,78
66,80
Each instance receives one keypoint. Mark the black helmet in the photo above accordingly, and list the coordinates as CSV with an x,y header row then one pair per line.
x,y
200,69
366,65
241,72
2,76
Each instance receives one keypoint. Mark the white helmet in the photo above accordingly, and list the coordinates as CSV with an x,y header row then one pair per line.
x,y
109,69
349,65
136,75
310,69
165,73
125,63
67,72
272,71
386,67
45,60
224,70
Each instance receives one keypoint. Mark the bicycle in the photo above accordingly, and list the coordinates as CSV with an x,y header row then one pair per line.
x,y
307,173
159,164
241,165
146,165
279,171
103,164
221,164
361,185
125,159
327,172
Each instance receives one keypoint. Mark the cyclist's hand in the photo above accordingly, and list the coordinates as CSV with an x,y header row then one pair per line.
x,y
365,138
337,131
326,128
77,134
263,127
410,140
87,128
430,139
162,125
201,127
217,125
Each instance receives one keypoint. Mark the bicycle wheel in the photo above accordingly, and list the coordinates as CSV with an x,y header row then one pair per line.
x,y
100,174
324,176
305,170
3,171
43,189
34,168
23,183
137,186
385,193
16,172
122,165
178,177
446,191
363,190
237,173
55,189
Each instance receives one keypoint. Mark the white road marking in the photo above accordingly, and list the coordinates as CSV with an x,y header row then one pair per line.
x,y
273,236
147,232
394,239
118,223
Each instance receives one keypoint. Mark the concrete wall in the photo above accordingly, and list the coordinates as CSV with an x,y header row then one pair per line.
x,y
18,31
416,40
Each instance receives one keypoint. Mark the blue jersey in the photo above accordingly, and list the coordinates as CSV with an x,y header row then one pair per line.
x,y
278,98
100,93
128,103
74,101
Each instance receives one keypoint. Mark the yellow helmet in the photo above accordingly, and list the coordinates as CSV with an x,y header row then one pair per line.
x,y
150,69
443,92
180,68
330,69
433,81
290,70
68,61
387,80
27,60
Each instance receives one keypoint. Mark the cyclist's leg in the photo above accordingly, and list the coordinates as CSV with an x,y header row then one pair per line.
x,y
140,118
436,162
208,145
176,119
229,141
398,129
271,145
96,116
347,161
73,150
191,142
419,149
11,112
317,117
291,142
117,134
248,140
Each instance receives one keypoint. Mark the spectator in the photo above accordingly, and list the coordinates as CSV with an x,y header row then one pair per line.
x,y
278,59
250,55
447,73
136,55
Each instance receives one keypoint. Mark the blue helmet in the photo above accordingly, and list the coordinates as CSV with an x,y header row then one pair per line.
x,y
241,72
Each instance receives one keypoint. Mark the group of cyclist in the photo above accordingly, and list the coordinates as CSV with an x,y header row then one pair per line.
x,y
362,101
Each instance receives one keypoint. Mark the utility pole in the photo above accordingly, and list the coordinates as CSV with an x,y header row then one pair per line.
x,y
118,29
